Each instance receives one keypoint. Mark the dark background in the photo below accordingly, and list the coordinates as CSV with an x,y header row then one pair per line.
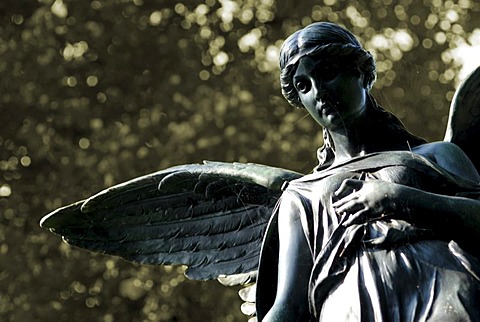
x,y
93,93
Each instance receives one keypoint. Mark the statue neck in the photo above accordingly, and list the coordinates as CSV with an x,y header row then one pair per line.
x,y
375,131
364,137
352,142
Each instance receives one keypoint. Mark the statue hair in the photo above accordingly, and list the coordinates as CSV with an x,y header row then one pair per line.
x,y
323,39
331,42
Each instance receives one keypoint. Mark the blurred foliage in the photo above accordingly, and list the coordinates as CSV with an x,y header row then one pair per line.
x,y
93,93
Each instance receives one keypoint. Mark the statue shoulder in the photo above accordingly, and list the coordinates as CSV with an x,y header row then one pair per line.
x,y
450,157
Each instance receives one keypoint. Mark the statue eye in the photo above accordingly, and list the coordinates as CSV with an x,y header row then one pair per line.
x,y
302,86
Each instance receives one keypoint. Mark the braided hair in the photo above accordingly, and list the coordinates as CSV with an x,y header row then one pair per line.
x,y
328,41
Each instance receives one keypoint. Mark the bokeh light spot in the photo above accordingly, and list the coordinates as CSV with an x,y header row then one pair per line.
x,y
220,59
84,143
25,161
92,80
155,18
5,190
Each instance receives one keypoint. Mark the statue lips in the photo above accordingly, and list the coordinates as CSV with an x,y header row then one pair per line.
x,y
325,108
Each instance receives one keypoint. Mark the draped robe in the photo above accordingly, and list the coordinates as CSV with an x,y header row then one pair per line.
x,y
397,267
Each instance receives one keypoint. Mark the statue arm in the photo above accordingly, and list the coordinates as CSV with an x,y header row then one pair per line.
x,y
465,209
450,157
377,197
374,198
295,265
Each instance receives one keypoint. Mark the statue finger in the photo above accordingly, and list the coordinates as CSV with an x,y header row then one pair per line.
x,y
347,205
342,205
347,187
344,199
356,218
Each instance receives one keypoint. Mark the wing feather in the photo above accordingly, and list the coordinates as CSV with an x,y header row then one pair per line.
x,y
210,217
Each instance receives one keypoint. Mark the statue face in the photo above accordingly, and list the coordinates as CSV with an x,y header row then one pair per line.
x,y
333,97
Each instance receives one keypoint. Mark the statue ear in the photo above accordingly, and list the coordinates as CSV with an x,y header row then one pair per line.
x,y
298,102
367,82
363,79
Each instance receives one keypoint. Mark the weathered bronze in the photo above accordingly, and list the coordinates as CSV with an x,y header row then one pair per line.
x,y
381,230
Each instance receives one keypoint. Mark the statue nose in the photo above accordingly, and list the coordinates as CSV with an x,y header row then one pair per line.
x,y
320,91
320,94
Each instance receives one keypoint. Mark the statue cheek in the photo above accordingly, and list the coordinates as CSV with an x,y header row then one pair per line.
x,y
308,101
340,85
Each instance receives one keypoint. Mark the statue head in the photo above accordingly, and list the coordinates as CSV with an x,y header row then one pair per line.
x,y
329,42
326,41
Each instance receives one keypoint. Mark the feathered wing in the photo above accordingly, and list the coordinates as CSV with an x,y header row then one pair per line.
x,y
210,217
463,126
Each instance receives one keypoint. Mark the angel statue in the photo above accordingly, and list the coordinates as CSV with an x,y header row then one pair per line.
x,y
382,229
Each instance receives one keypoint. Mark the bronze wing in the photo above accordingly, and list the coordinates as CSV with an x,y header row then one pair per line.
x,y
463,126
210,217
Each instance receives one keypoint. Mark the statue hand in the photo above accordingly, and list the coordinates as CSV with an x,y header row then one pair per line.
x,y
366,199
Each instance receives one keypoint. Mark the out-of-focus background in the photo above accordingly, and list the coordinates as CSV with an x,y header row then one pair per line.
x,y
96,92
